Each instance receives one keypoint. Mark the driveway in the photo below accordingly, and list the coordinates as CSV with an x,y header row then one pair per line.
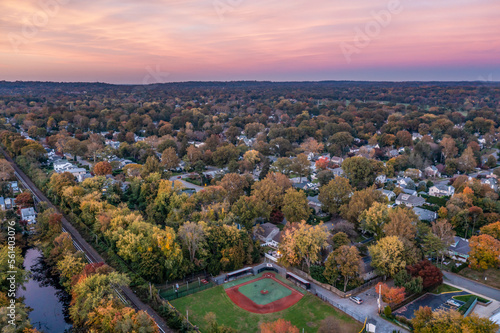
x,y
475,287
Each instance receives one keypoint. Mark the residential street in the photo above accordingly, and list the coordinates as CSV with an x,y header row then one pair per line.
x,y
475,287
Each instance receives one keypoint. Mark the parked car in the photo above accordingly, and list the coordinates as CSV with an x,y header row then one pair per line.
x,y
356,299
454,303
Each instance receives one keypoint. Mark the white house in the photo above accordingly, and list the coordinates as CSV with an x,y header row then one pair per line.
x,y
381,179
389,194
76,171
337,160
62,165
29,215
425,214
409,200
338,172
441,190
491,182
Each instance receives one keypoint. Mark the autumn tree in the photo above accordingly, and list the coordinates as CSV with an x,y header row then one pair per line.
x,y
448,321
359,202
449,148
272,189
484,252
388,255
279,326
295,205
302,242
322,163
335,194
103,168
234,185
169,159
402,223
374,219
24,200
467,162
430,274
339,239
301,166
359,170
344,262
6,170
310,145
391,295
492,229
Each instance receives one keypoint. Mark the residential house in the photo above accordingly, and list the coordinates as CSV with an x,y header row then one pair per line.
x,y
425,214
367,271
14,186
409,200
76,171
441,190
404,181
9,203
392,153
409,191
268,234
29,215
413,173
381,179
337,160
491,182
459,250
81,177
62,165
416,136
389,194
314,203
338,172
432,171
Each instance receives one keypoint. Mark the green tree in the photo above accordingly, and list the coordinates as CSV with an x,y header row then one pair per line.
x,y
345,262
374,219
359,170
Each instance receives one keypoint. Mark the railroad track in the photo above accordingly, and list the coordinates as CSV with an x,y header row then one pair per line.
x,y
125,294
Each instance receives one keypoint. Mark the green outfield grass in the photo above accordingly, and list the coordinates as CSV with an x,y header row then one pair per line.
x,y
307,314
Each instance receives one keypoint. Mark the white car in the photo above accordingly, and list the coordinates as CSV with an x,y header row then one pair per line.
x,y
356,299
454,303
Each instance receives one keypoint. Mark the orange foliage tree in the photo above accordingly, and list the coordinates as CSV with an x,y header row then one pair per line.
x,y
278,326
393,295
484,252
103,168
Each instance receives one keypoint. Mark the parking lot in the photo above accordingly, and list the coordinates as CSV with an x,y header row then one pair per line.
x,y
433,301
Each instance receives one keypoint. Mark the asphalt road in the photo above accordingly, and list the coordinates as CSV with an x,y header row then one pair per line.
x,y
80,243
471,285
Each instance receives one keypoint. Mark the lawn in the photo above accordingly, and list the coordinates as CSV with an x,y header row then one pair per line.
x,y
465,298
307,314
444,288
492,276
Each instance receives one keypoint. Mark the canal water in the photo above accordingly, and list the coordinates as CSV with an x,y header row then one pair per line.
x,y
44,295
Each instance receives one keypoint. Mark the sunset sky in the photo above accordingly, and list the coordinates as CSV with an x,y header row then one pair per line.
x,y
150,41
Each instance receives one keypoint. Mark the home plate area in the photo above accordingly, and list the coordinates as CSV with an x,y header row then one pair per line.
x,y
265,294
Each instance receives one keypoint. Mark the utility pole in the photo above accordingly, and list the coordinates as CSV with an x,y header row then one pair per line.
x,y
379,295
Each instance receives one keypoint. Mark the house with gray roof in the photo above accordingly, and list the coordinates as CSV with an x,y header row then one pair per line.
x,y
425,214
409,200
389,194
441,190
459,250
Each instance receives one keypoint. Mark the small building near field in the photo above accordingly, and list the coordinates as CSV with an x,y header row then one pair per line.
x,y
268,234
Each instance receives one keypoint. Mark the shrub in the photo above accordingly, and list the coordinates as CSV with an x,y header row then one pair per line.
x,y
317,273
388,311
